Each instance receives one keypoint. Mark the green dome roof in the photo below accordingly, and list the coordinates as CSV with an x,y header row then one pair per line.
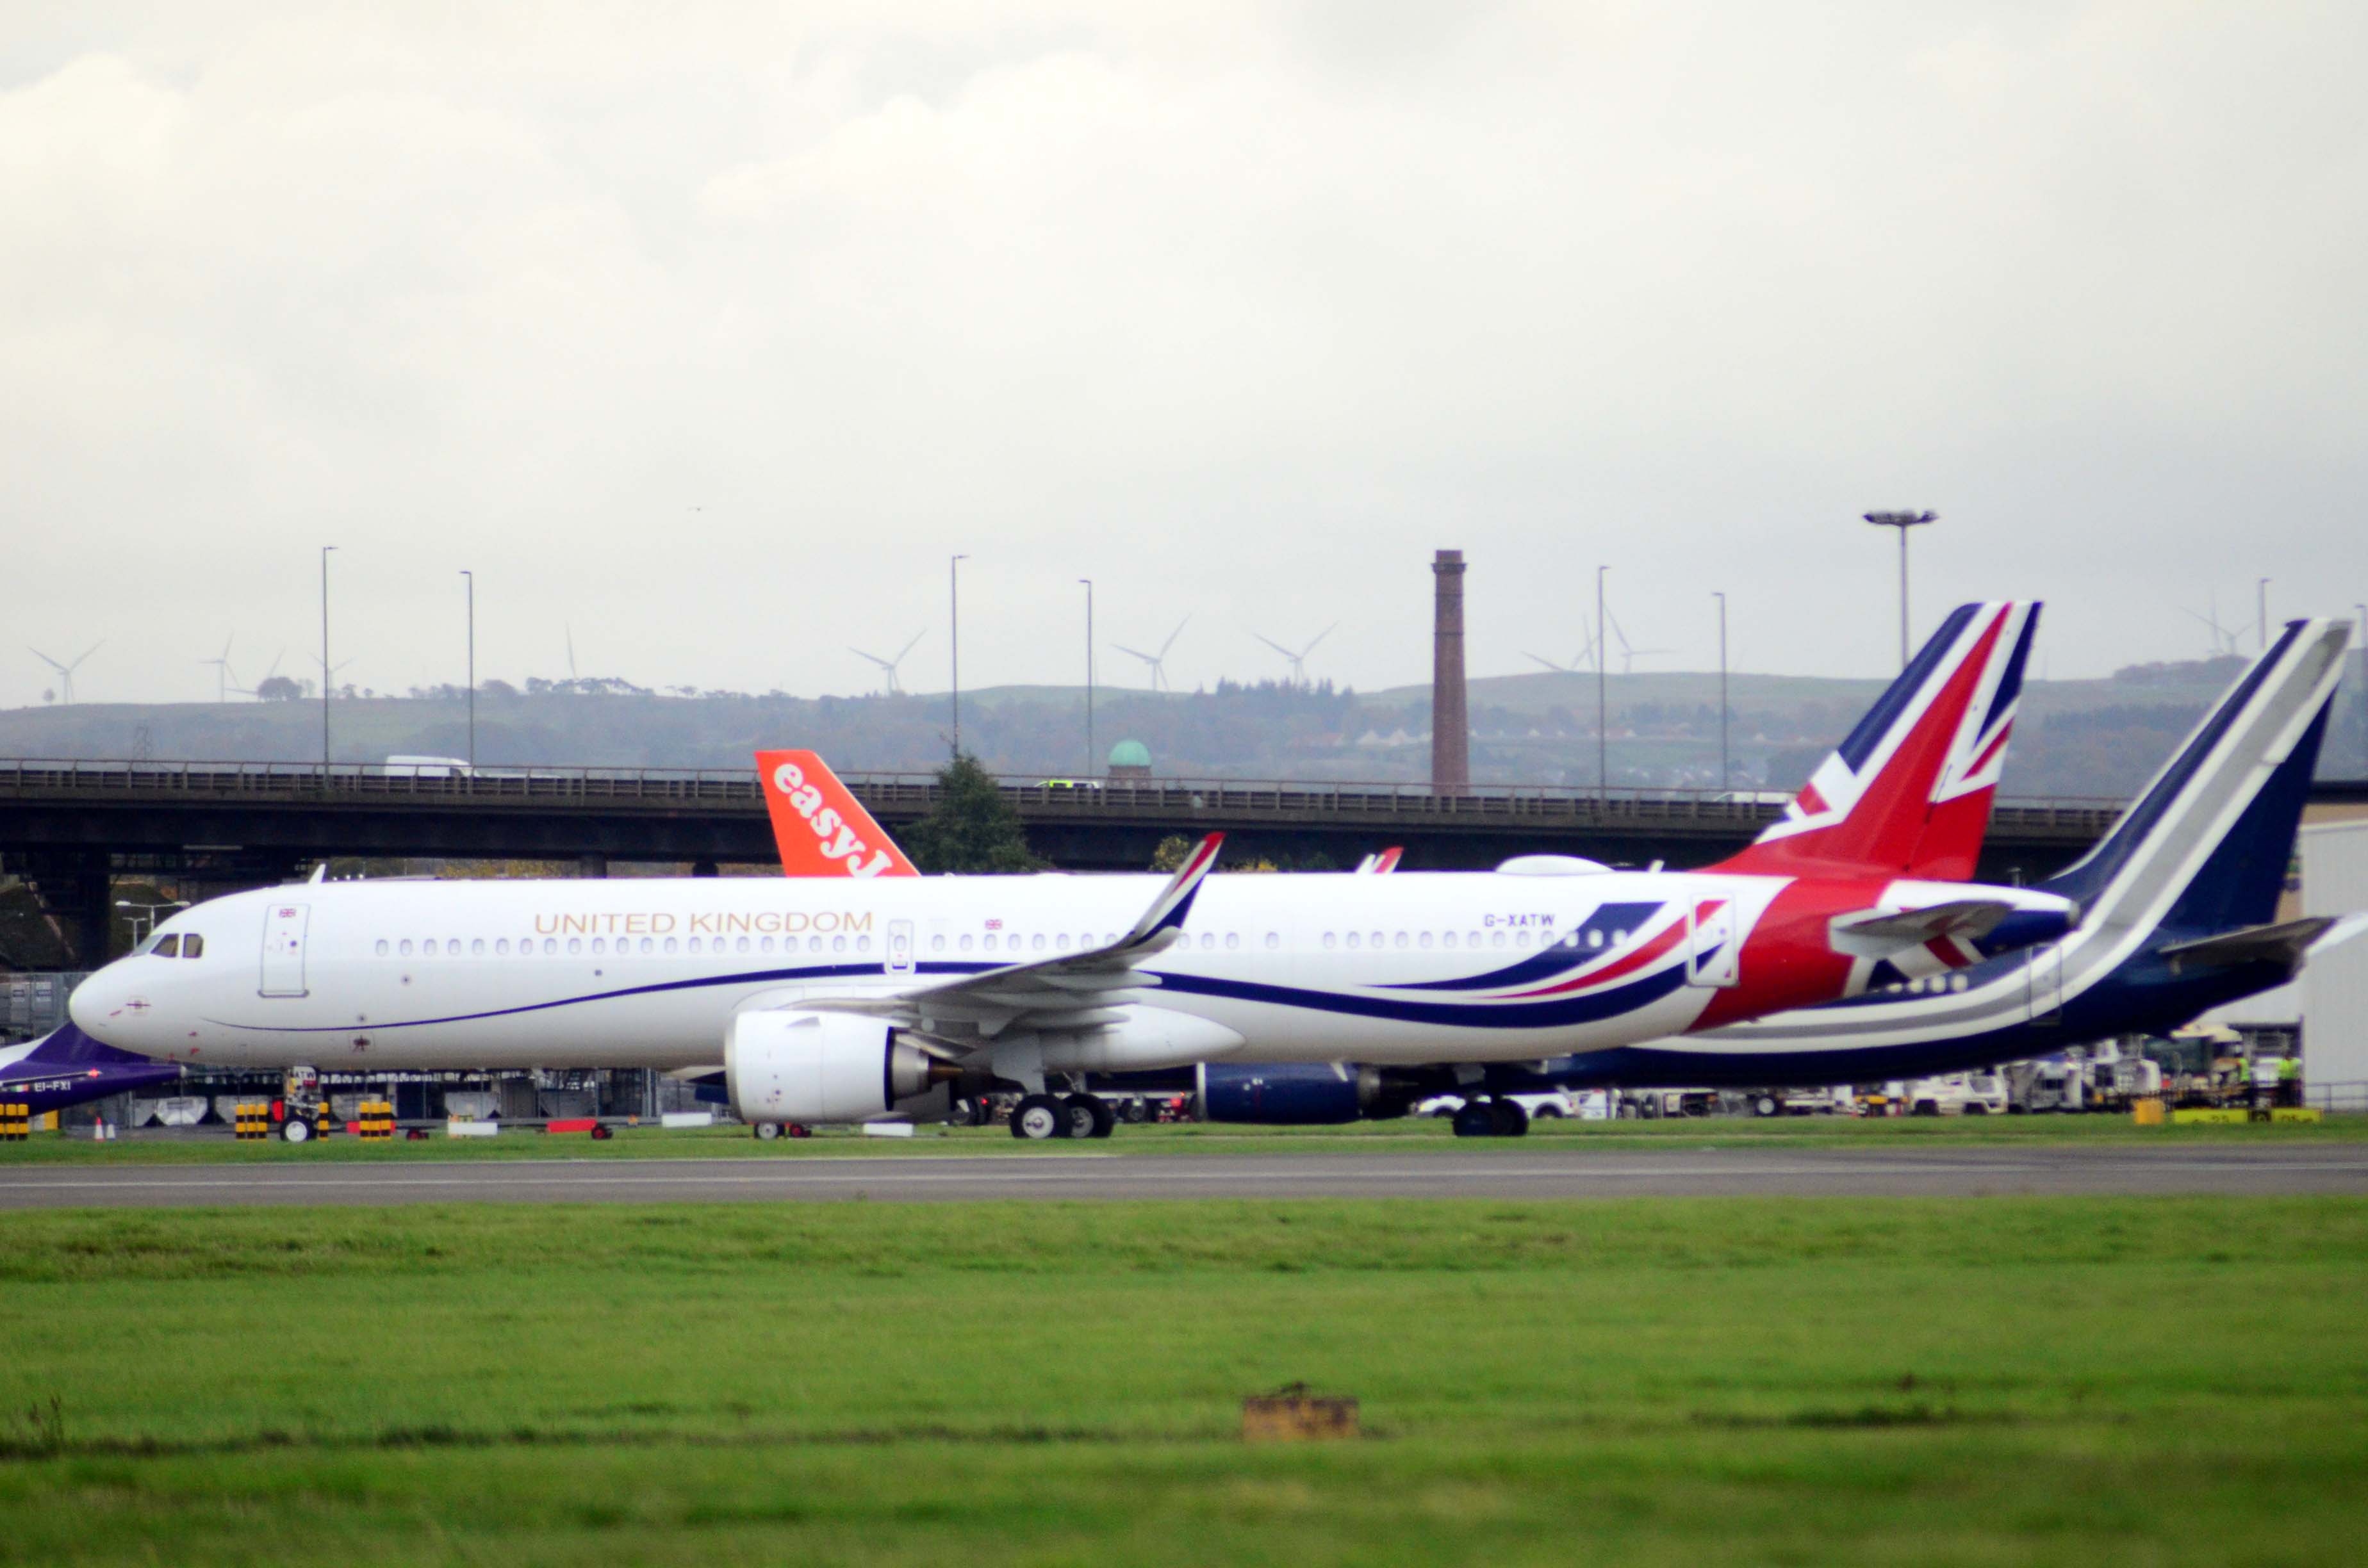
x,y
1130,753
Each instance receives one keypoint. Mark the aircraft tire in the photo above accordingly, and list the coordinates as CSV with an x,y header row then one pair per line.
x,y
1040,1116
1509,1119
766,1131
295,1129
1476,1119
1766,1105
1090,1116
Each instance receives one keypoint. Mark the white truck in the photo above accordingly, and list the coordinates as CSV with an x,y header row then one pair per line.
x,y
1958,1094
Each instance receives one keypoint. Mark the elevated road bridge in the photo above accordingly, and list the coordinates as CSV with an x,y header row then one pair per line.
x,y
67,826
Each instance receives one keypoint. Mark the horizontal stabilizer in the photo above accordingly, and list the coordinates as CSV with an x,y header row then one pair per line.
x,y
1879,933
2286,944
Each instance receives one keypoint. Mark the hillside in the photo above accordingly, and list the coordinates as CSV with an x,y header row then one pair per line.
x,y
2091,737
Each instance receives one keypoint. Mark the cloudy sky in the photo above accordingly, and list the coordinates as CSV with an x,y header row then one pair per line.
x,y
708,332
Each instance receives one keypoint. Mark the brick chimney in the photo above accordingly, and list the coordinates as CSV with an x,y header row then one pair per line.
x,y
1450,730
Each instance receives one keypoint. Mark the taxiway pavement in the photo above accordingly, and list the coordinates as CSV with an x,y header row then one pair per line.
x,y
1530,1172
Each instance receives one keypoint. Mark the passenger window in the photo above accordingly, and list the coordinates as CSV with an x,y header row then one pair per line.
x,y
864,944
1595,938
965,942
1037,941
502,947
551,947
764,944
1274,939
476,947
673,945
649,946
742,945
575,944
1377,939
1956,982
406,948
813,944
1447,940
170,947
193,946
1496,938
1353,939
838,943
1327,939
1402,939
1618,938
1423,940
938,943
381,947
1233,939
1520,938
1062,941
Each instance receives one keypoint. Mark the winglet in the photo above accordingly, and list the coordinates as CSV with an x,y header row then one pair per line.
x,y
820,827
1381,864
1175,900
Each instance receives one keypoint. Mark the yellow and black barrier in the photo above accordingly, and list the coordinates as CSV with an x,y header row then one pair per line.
x,y
374,1121
254,1120
16,1121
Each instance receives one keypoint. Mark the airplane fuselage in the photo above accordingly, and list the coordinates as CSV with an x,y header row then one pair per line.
x,y
649,972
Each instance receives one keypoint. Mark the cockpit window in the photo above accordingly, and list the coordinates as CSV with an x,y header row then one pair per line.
x,y
193,946
170,946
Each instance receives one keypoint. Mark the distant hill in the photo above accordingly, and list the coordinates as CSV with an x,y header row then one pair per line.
x,y
2093,737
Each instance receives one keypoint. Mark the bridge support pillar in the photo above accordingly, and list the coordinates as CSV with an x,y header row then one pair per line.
x,y
591,865
76,890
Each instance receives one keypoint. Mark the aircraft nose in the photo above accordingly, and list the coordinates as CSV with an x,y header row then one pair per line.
x,y
98,1006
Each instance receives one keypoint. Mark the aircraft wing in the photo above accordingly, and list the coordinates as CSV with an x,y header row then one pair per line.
x,y
1075,991
1877,933
2287,943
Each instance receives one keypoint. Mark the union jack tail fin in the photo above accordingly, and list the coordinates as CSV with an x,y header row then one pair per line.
x,y
820,828
1908,792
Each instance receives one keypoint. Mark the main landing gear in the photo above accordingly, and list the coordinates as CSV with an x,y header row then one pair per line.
x,y
1038,1116
1491,1118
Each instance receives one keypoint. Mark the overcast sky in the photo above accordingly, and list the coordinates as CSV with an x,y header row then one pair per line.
x,y
710,332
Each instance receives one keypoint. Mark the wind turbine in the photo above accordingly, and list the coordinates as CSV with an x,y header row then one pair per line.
x,y
1628,656
329,674
225,678
65,672
257,687
1158,661
1298,660
2224,641
888,666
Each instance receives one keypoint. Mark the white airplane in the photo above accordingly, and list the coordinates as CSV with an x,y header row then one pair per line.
x,y
838,998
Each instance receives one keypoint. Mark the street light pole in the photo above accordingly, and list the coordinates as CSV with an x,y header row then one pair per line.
x,y
2261,612
1902,521
1090,764
473,667
1725,774
1603,701
953,590
328,677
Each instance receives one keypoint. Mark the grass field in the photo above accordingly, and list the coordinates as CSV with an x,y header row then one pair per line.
x,y
1410,1134
1714,1380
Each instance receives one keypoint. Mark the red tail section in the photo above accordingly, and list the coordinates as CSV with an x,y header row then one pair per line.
x,y
822,830
1909,793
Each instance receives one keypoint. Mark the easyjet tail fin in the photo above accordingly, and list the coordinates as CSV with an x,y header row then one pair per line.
x,y
1908,792
821,828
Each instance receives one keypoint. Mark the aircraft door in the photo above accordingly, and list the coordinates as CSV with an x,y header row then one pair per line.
x,y
1713,948
900,948
283,950
2045,977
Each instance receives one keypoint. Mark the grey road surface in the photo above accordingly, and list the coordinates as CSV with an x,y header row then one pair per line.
x,y
1493,1172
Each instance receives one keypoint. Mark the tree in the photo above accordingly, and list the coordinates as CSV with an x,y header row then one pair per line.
x,y
972,827
276,688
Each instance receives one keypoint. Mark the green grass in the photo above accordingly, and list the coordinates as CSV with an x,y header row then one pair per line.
x,y
1710,1380
1411,1134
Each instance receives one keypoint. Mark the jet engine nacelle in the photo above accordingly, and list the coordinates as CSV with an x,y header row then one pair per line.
x,y
798,1066
1294,1094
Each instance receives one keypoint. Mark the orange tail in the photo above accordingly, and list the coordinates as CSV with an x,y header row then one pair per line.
x,y
821,828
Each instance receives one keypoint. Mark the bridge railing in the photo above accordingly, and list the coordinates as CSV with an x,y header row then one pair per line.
x,y
906,794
